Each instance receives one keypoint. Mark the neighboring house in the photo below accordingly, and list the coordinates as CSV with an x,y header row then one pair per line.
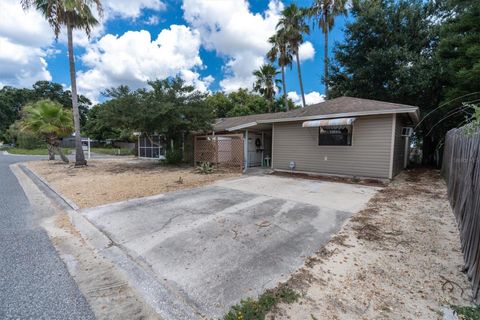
x,y
343,136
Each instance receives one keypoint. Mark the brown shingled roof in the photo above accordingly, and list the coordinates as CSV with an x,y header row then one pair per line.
x,y
335,107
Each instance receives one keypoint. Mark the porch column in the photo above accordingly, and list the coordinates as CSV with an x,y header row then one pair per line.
x,y
245,150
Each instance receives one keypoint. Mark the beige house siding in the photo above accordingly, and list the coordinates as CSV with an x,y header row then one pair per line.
x,y
399,146
369,155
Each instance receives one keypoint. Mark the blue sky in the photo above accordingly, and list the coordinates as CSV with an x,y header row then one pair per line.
x,y
212,44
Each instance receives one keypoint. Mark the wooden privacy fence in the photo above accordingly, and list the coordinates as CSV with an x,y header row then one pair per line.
x,y
221,150
461,169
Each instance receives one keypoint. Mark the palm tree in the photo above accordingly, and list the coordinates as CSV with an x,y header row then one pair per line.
x,y
266,83
73,14
279,50
324,12
49,121
292,23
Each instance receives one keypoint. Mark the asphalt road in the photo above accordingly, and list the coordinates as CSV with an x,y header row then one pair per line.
x,y
34,281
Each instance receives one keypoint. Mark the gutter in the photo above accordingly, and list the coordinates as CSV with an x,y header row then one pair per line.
x,y
345,114
413,112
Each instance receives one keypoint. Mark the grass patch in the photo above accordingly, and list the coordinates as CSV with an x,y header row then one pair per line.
x,y
251,309
35,152
467,313
113,151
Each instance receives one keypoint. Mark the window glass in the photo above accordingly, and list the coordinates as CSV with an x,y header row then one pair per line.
x,y
335,136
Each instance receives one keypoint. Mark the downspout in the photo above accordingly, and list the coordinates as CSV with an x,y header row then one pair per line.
x,y
407,151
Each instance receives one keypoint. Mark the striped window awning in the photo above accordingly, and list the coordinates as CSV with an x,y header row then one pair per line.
x,y
339,122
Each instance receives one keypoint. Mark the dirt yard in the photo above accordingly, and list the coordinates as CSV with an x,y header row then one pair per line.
x,y
107,181
397,259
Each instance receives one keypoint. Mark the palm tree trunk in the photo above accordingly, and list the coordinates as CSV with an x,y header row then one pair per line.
x,y
79,156
325,58
53,146
51,152
285,101
300,78
61,154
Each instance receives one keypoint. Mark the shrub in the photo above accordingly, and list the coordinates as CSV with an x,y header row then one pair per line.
x,y
205,168
173,157
29,141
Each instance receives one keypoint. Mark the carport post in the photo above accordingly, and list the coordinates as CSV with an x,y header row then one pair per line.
x,y
245,150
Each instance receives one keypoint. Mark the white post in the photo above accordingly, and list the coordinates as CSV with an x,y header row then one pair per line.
x,y
263,148
88,142
138,140
245,150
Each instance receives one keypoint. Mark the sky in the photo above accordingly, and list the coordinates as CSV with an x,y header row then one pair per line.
x,y
212,44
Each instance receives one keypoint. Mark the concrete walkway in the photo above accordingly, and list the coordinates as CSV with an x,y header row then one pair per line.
x,y
34,281
215,245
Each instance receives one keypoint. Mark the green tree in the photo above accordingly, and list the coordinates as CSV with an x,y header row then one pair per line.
x,y
279,105
73,14
324,12
459,48
56,92
292,24
266,83
170,107
246,103
220,104
389,54
48,120
279,52
12,99
99,129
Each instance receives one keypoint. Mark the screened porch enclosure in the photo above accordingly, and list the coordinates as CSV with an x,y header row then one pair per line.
x,y
151,146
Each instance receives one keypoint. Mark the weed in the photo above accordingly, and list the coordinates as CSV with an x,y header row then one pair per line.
x,y
467,313
251,309
205,168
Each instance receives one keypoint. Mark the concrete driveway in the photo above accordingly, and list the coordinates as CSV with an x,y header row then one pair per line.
x,y
218,244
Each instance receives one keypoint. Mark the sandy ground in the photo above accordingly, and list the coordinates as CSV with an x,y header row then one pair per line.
x,y
107,181
397,259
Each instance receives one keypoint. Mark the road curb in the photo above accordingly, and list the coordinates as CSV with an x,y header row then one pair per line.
x,y
157,293
31,173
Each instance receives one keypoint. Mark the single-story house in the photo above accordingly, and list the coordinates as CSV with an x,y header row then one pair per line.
x,y
343,136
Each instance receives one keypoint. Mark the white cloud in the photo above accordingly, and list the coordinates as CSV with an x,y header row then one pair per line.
x,y
310,98
306,51
115,9
22,36
130,8
234,32
134,58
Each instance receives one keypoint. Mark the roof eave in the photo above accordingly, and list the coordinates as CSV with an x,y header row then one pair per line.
x,y
413,111
243,126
